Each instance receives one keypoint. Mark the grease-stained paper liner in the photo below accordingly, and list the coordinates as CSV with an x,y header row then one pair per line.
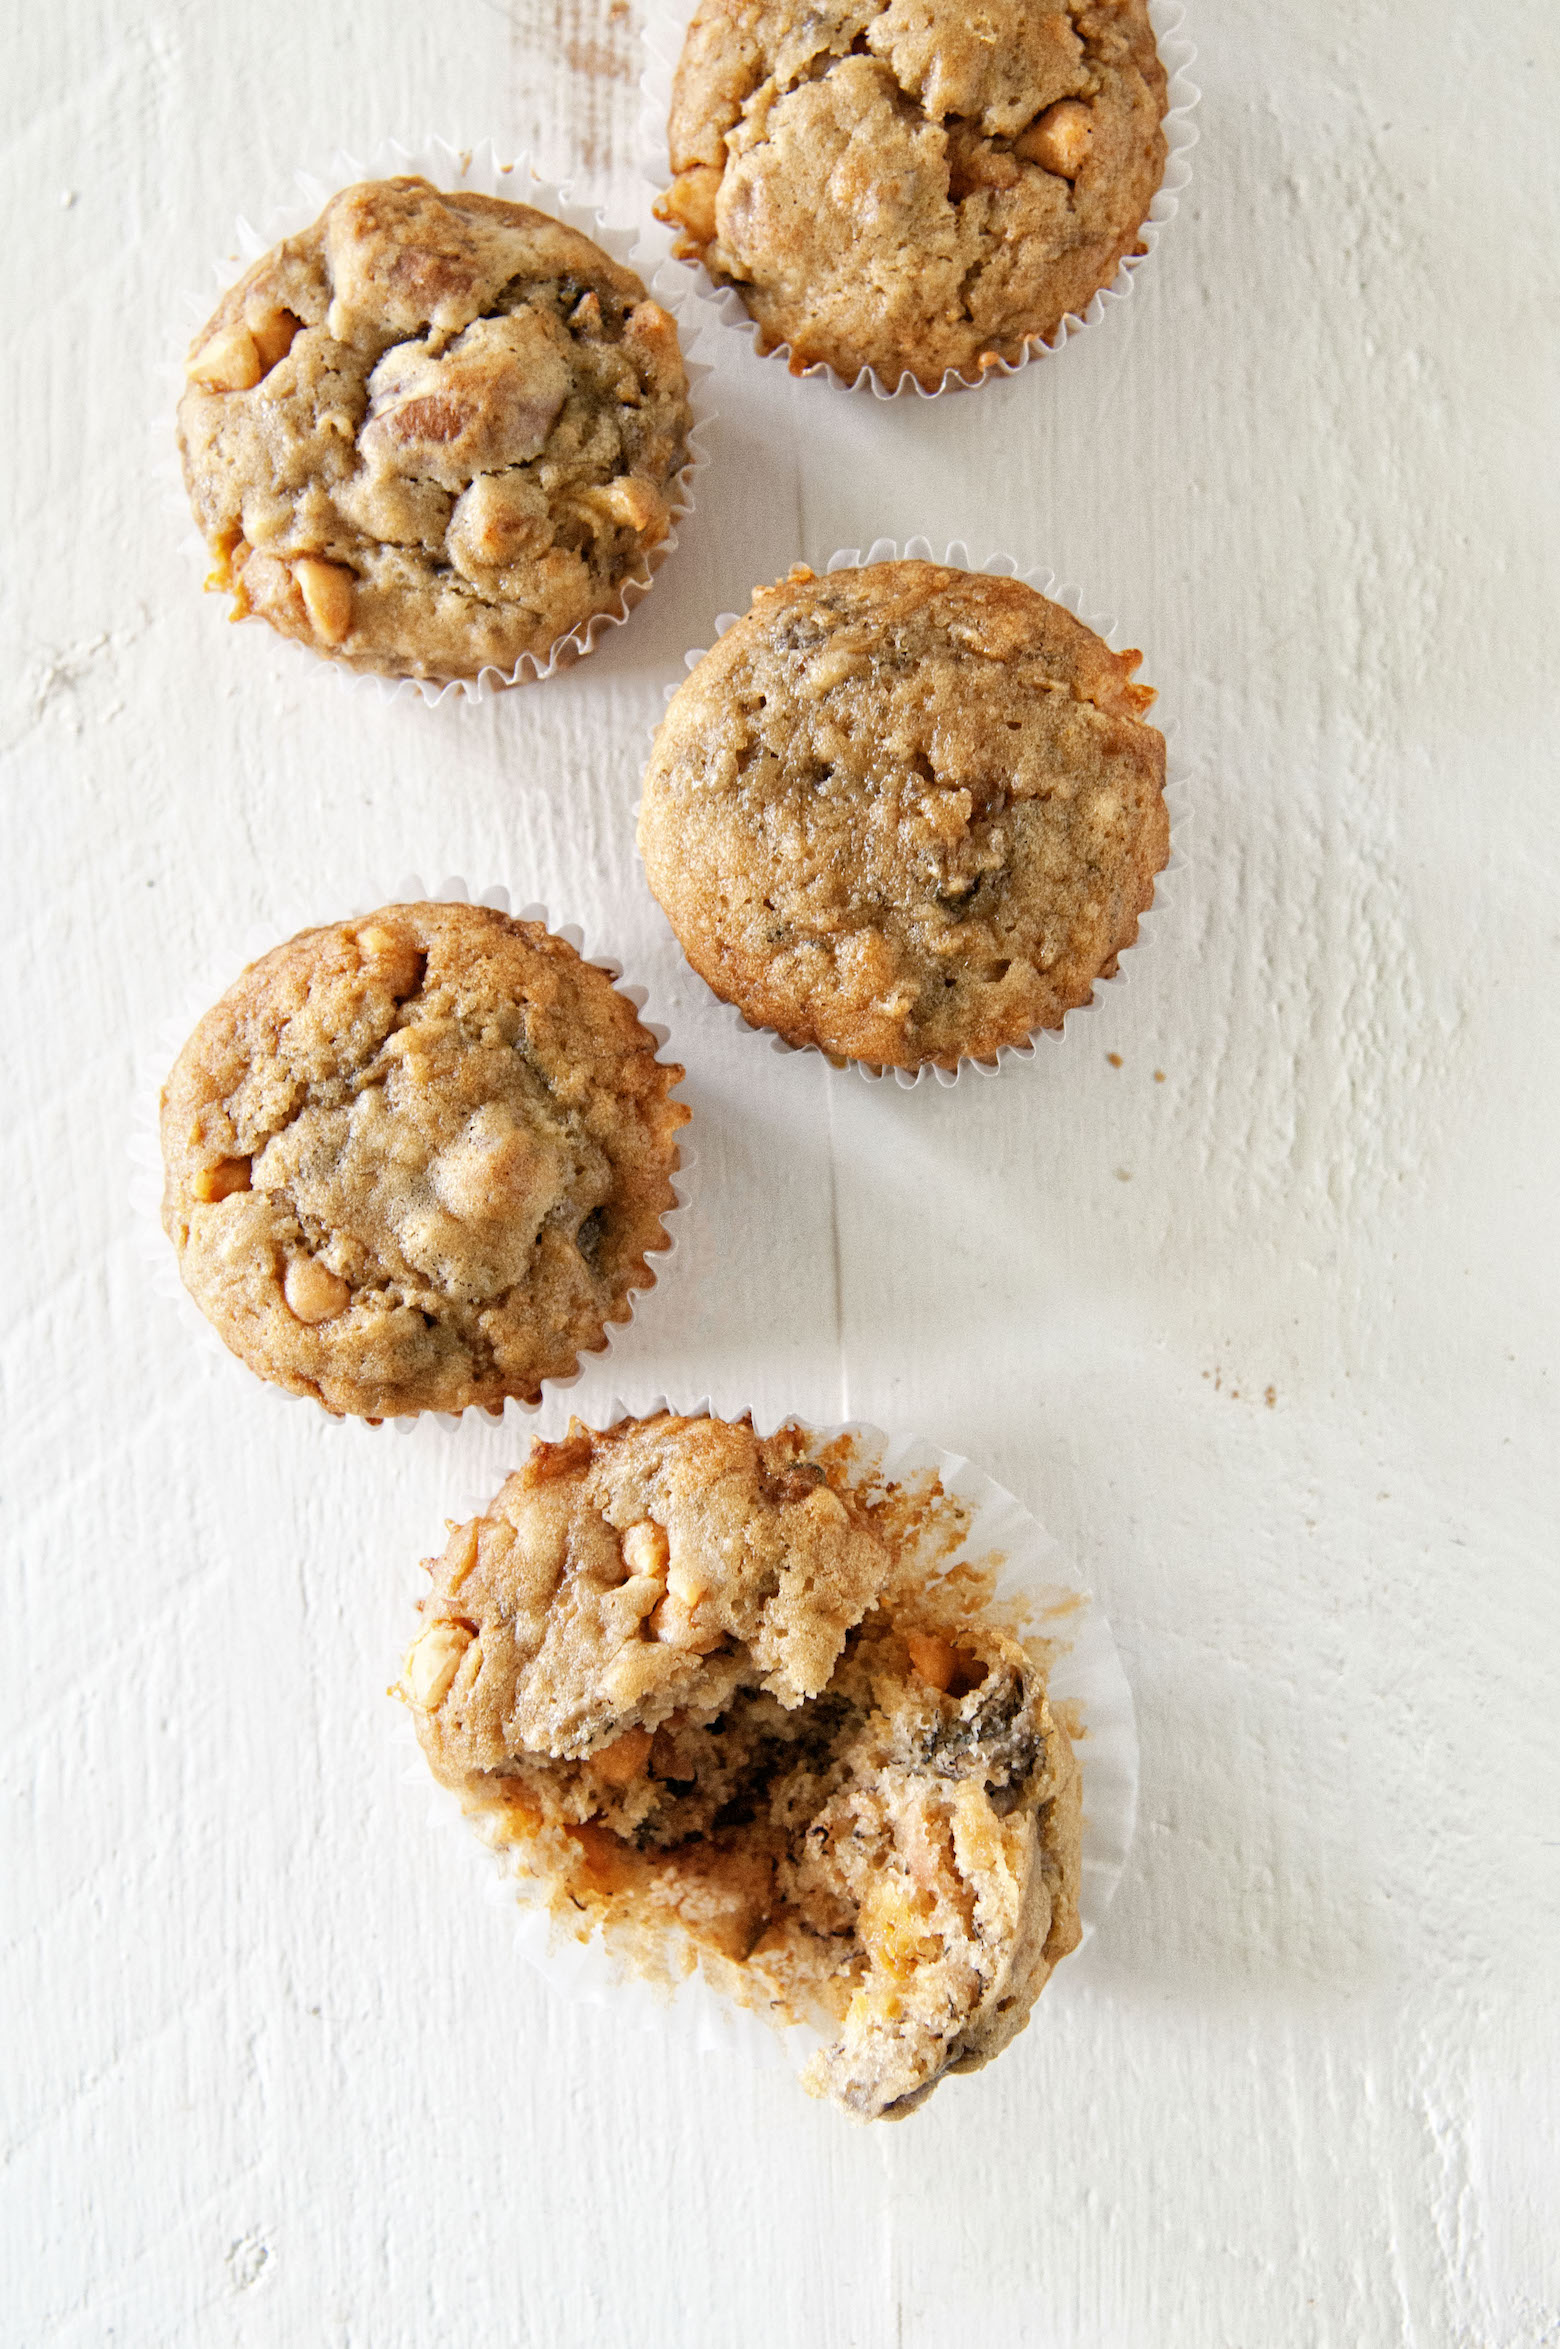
x,y
155,1063
666,24
957,557
478,171
1087,1686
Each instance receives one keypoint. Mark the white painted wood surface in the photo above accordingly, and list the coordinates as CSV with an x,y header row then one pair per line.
x,y
1269,1344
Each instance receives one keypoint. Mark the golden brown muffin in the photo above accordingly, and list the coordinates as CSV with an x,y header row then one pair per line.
x,y
906,813
693,1681
433,433
914,186
418,1160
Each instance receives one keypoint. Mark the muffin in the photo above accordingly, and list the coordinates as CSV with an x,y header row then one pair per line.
x,y
434,433
909,186
906,814
699,1686
418,1160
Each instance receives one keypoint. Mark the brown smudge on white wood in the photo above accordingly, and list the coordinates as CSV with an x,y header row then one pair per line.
x,y
575,67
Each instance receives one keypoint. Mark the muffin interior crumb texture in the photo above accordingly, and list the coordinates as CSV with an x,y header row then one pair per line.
x,y
417,1160
434,432
914,186
734,1701
906,813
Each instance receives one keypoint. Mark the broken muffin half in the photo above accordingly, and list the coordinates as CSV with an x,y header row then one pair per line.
x,y
704,1688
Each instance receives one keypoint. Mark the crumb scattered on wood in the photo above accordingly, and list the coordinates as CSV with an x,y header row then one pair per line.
x,y
1269,1393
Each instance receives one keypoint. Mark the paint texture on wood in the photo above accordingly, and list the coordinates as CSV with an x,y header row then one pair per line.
x,y
1248,1288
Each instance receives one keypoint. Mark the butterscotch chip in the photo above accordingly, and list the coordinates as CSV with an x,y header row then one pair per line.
x,y
906,813
228,361
313,1293
932,1656
220,1179
840,1835
418,1161
433,1660
433,433
328,591
1061,139
870,177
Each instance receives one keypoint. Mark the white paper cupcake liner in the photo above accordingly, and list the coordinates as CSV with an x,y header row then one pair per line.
x,y
1087,1686
1008,1056
666,25
155,1063
475,170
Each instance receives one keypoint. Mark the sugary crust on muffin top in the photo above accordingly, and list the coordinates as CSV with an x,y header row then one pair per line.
x,y
434,432
417,1160
914,185
906,813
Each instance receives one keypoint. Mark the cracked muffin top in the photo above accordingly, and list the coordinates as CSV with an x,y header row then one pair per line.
x,y
417,1160
623,1576
914,186
906,813
695,1682
433,433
